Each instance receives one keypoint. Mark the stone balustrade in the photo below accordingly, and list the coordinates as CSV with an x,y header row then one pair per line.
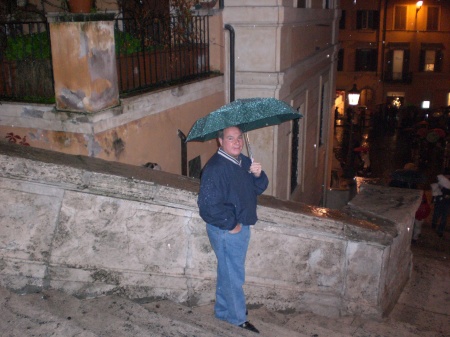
x,y
91,227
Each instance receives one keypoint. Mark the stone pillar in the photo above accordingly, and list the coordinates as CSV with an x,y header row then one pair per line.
x,y
84,62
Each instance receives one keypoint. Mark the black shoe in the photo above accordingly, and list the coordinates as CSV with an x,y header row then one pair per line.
x,y
249,326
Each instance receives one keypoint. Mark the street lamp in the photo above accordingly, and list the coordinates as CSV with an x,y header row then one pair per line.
x,y
353,99
353,96
418,6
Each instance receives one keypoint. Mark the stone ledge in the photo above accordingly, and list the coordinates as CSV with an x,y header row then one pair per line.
x,y
92,227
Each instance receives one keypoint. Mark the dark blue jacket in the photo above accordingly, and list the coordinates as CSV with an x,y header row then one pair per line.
x,y
228,192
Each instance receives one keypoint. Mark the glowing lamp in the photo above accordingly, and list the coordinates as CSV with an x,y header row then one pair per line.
x,y
353,96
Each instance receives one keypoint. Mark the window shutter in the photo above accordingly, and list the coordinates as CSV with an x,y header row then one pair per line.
x,y
376,19
406,62
358,60
359,15
438,62
390,62
400,18
342,20
422,60
340,62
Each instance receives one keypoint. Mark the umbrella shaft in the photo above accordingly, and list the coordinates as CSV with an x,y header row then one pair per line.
x,y
249,149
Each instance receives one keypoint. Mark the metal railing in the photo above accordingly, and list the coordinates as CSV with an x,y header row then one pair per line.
x,y
164,51
149,55
25,62
404,77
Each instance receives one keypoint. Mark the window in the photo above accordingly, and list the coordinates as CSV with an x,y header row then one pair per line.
x,y
340,61
367,19
342,20
433,18
301,3
400,18
425,104
397,67
366,60
431,57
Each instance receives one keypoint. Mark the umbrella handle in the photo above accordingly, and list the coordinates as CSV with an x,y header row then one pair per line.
x,y
247,144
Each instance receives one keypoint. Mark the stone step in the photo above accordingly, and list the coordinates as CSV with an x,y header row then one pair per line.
x,y
54,313
204,317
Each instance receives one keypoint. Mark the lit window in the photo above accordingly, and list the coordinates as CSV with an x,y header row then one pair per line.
x,y
425,104
430,57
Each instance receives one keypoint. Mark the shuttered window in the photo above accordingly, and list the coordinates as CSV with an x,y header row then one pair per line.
x,y
433,18
367,19
400,18
366,60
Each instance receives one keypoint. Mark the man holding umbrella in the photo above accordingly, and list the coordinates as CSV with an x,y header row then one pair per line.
x,y
227,202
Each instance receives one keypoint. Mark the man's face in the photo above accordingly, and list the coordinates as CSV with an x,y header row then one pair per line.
x,y
232,142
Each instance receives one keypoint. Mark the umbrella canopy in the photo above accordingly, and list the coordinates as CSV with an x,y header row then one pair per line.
x,y
248,114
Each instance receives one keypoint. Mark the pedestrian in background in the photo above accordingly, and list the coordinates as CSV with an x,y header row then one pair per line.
x,y
441,200
230,184
422,213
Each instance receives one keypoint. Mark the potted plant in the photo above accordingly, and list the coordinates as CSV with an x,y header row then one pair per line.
x,y
205,4
80,6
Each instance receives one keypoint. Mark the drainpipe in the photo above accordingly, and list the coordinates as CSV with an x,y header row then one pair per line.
x,y
232,71
383,41
183,153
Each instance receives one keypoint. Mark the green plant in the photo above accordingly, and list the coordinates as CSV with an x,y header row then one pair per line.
x,y
126,43
34,46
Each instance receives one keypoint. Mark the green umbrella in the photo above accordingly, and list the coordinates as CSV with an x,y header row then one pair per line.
x,y
248,114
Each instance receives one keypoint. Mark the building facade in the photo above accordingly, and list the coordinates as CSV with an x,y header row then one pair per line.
x,y
283,49
396,52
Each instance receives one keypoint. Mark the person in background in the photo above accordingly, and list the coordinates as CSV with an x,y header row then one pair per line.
x,y
421,214
229,186
441,200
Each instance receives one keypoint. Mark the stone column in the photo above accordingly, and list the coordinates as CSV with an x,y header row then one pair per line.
x,y
84,62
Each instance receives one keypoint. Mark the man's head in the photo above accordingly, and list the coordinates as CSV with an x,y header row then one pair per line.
x,y
231,141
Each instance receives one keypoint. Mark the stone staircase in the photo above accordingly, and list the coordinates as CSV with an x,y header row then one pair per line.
x,y
53,313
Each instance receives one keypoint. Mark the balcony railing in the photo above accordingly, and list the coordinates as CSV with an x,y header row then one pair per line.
x,y
165,52
149,56
391,77
25,62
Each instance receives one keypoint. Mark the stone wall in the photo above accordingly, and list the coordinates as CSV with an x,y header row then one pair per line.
x,y
91,227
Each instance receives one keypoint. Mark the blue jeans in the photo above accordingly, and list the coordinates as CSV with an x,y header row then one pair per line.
x,y
231,251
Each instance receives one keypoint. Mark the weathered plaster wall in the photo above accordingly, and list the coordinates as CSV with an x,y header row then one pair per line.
x,y
144,128
90,227
84,65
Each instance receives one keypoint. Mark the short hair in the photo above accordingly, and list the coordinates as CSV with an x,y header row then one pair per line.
x,y
220,132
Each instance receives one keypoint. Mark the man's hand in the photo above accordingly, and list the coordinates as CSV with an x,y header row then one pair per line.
x,y
255,169
236,229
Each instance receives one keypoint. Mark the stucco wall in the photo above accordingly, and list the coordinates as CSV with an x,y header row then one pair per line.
x,y
90,227
144,128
